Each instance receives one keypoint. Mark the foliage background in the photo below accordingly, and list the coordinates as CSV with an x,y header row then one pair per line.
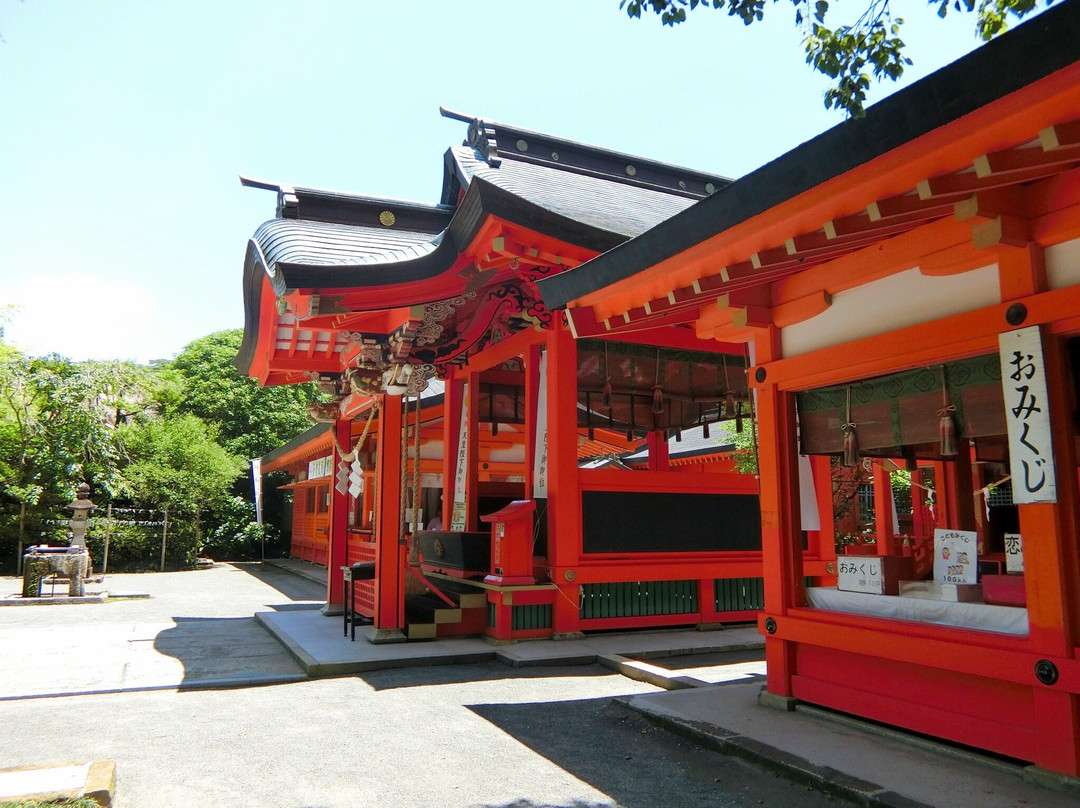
x,y
175,435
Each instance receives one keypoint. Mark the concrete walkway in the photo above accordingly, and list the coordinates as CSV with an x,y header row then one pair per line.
x,y
196,631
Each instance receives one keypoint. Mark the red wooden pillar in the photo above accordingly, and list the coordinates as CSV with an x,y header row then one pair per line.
x,y
337,546
564,495
883,511
1049,531
389,616
1052,572
659,458
781,545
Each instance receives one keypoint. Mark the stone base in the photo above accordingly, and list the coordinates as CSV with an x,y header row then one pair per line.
x,y
95,780
1052,780
775,702
709,627
382,636
568,635
53,600
333,610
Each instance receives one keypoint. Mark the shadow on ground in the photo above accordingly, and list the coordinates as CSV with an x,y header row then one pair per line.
x,y
465,672
217,652
636,763
292,586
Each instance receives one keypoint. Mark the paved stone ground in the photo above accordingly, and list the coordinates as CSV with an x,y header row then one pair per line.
x,y
196,630
454,735
444,737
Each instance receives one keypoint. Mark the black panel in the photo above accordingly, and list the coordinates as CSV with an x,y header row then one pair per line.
x,y
636,522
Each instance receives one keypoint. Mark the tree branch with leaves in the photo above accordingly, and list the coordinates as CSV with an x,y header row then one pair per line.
x,y
851,55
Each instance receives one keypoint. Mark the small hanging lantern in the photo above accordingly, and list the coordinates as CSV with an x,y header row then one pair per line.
x,y
605,397
658,389
729,396
851,440
946,422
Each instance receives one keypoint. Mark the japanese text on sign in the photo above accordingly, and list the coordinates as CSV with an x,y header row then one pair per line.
x,y
860,574
1014,553
956,556
1023,384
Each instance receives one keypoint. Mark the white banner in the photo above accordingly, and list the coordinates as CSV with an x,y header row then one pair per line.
x,y
321,467
1027,415
457,517
540,455
811,518
256,480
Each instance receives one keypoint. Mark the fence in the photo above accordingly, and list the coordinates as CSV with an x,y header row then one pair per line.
x,y
143,538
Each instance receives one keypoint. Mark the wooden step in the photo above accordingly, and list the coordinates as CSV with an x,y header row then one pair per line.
x,y
429,608
420,631
463,594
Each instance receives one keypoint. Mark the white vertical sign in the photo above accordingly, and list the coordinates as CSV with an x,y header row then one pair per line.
x,y
540,454
256,479
1027,414
457,517
1014,552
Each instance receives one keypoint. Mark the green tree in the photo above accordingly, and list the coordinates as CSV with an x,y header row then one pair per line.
x,y
251,420
176,463
849,54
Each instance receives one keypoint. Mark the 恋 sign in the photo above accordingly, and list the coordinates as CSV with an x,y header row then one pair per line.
x,y
1023,383
860,574
1014,553
320,467
956,556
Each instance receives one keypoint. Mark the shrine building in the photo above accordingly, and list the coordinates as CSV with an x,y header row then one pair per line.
x,y
491,471
907,289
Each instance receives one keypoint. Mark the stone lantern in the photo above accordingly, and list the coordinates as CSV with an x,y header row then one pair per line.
x,y
80,508
71,562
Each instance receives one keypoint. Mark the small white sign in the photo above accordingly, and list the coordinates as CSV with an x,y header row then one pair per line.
x,y
457,513
1014,553
956,556
1027,416
321,467
540,453
860,574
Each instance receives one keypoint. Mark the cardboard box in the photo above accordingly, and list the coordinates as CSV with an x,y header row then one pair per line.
x,y
874,575
932,590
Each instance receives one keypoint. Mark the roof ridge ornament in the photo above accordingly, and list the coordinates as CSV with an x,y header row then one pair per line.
x,y
482,137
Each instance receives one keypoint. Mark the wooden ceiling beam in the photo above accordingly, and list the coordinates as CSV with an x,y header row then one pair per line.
x,y
1012,161
990,203
1060,135
969,183
906,205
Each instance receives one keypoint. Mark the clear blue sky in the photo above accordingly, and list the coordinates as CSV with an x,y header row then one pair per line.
x,y
124,125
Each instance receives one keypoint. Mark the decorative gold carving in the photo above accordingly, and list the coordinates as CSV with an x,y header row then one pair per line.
x,y
569,575
387,218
